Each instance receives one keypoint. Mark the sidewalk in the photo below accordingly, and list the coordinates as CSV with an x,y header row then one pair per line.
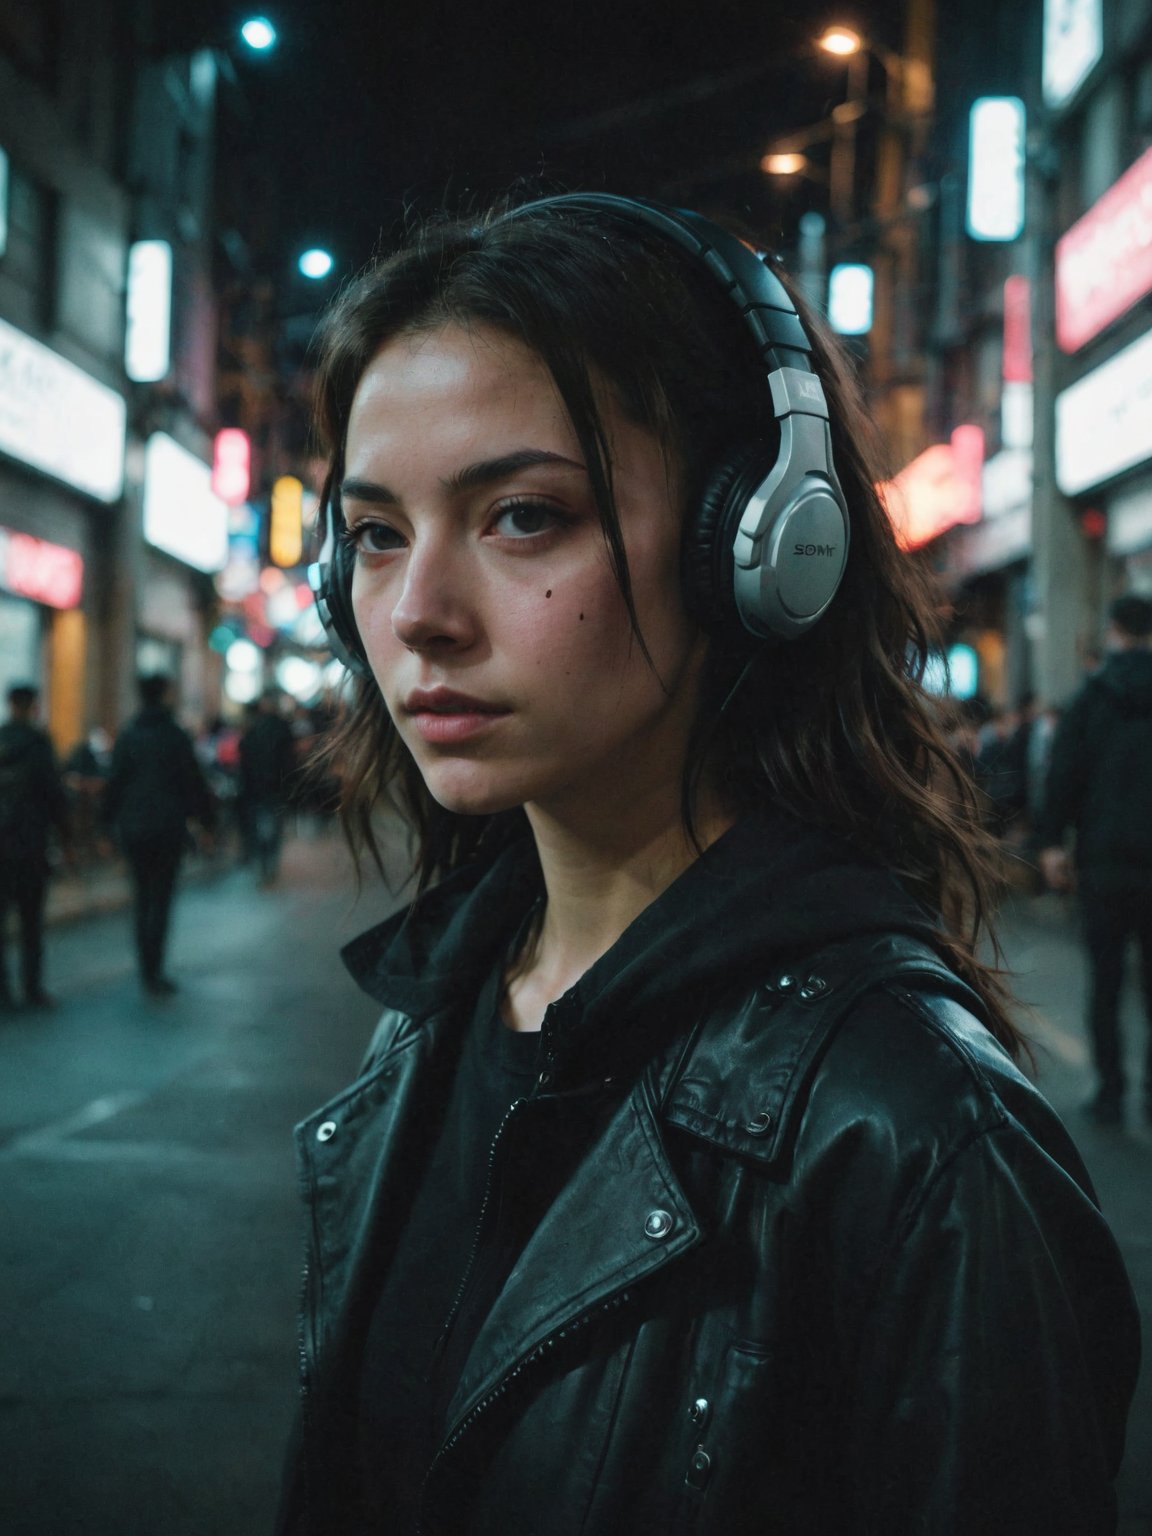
x,y
1044,954
105,886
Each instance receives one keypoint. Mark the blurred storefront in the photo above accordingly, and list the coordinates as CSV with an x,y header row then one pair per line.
x,y
58,489
1042,338
1103,445
185,526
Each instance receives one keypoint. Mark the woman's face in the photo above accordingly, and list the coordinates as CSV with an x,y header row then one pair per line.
x,y
483,592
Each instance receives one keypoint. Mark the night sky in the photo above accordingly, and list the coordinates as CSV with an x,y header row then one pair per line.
x,y
366,110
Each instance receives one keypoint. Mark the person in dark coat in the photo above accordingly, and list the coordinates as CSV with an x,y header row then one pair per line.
x,y
692,1181
267,768
154,788
33,806
1099,788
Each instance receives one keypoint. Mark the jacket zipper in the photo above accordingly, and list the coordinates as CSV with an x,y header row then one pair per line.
x,y
474,1253
611,1304
305,1402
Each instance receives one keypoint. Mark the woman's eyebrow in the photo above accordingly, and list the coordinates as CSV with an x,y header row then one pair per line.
x,y
490,470
486,472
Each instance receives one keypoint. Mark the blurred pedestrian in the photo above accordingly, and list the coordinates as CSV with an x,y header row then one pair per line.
x,y
1100,788
267,756
85,773
690,1182
1000,771
155,786
33,806
218,753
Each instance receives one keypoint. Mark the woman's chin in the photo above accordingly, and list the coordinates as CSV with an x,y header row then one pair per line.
x,y
471,796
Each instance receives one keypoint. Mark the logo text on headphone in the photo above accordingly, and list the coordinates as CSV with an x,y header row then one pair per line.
x,y
814,549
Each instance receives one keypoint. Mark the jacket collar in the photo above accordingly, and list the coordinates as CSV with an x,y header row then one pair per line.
x,y
770,889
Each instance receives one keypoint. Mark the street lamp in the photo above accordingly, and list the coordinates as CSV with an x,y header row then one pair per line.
x,y
259,33
785,163
316,263
841,41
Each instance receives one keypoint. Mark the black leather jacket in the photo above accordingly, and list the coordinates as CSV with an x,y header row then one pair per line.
x,y
823,1261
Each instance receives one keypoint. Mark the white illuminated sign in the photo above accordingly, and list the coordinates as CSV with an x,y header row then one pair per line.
x,y
1130,521
1006,481
182,515
147,340
850,299
57,418
1104,420
1073,42
3,202
996,168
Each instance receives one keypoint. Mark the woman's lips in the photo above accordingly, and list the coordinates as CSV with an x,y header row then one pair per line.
x,y
447,726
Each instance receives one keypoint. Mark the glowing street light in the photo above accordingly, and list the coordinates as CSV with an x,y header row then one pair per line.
x,y
841,41
316,263
259,33
783,164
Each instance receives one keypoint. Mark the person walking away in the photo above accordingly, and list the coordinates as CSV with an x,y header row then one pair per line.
x,y
1100,787
155,786
32,806
267,765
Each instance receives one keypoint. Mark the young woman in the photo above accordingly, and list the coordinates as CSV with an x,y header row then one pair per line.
x,y
690,1183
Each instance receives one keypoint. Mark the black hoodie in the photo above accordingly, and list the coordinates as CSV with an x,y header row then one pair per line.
x,y
1100,778
770,889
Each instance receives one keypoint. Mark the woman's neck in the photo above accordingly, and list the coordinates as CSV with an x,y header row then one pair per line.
x,y
598,877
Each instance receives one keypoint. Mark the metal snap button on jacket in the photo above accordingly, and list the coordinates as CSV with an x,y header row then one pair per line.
x,y
658,1225
326,1131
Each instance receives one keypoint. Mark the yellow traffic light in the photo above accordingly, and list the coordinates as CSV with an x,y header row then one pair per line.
x,y
285,525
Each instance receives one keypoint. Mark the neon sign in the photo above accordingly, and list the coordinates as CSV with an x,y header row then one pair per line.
x,y
47,573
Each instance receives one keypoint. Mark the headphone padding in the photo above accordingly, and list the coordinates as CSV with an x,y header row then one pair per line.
x,y
709,534
340,599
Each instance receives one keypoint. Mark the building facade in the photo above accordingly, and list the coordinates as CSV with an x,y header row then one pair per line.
x,y
1042,352
109,531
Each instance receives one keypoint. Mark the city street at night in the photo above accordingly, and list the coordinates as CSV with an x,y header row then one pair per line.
x,y
677,483
152,1251
152,1234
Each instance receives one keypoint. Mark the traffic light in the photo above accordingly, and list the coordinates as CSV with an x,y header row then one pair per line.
x,y
285,524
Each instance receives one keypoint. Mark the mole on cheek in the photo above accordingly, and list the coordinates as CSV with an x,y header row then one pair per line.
x,y
548,593
581,618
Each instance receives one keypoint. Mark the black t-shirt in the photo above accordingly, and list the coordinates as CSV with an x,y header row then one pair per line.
x,y
402,1385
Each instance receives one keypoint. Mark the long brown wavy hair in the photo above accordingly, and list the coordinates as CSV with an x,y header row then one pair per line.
x,y
837,728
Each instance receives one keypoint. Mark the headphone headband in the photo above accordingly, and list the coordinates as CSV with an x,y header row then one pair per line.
x,y
745,277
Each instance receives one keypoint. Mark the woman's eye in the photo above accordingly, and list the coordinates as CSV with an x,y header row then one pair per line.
x,y
374,538
524,518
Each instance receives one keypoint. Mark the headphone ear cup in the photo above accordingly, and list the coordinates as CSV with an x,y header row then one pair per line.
x,y
710,532
340,600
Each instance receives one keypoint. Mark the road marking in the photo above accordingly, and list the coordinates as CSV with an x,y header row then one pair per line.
x,y
91,1114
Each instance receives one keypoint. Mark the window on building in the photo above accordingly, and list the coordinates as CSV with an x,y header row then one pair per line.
x,y
31,255
30,38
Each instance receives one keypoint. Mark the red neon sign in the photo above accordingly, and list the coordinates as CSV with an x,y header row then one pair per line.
x,y
231,466
1104,262
47,573
1017,331
939,489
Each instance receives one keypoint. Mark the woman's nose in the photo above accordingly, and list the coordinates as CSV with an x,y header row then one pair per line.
x,y
432,609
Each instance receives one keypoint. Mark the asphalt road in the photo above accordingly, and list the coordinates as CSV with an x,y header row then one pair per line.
x,y
150,1237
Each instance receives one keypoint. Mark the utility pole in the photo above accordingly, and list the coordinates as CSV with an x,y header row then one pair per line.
x,y
1064,568
897,350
